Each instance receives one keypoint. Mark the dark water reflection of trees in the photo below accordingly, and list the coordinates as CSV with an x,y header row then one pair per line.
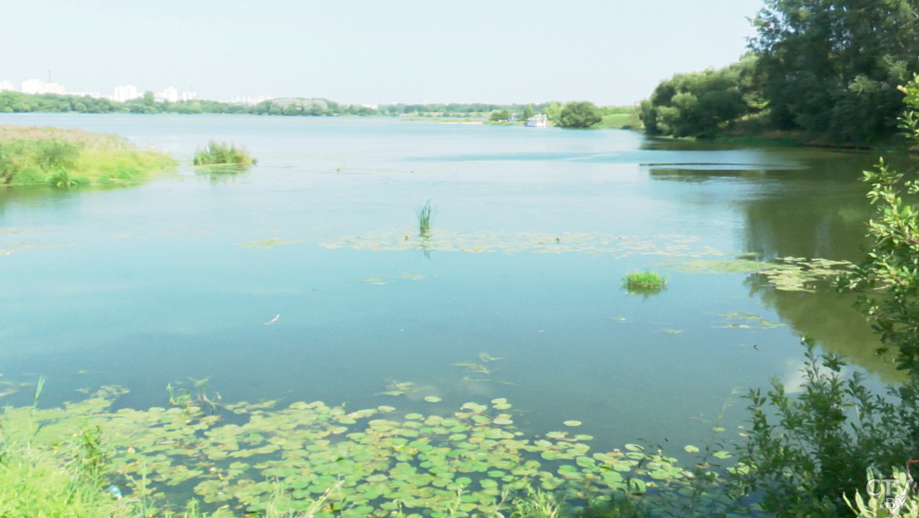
x,y
817,209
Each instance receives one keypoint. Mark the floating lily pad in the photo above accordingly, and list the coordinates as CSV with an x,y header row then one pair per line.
x,y
433,399
572,423
457,464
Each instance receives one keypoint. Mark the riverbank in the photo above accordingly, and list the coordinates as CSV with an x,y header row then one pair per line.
x,y
69,157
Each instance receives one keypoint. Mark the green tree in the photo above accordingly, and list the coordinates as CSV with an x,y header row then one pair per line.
x,y
702,104
500,115
528,112
554,110
832,66
582,114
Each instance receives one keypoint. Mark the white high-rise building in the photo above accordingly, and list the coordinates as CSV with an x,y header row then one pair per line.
x,y
251,101
125,93
37,86
6,85
170,94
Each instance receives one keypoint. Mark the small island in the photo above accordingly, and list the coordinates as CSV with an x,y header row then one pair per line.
x,y
72,157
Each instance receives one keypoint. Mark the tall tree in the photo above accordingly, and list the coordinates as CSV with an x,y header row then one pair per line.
x,y
528,112
832,66
582,114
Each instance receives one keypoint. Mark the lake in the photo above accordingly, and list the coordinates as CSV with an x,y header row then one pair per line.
x,y
517,292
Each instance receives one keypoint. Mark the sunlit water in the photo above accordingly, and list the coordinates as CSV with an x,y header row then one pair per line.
x,y
146,285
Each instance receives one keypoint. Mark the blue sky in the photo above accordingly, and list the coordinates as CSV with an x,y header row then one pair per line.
x,y
374,51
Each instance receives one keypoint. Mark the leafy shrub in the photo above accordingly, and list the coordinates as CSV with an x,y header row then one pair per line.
x,y
806,453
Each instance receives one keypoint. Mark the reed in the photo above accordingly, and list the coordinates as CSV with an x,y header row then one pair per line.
x,y
222,153
424,214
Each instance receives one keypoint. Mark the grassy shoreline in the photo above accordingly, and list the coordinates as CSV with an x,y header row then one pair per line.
x,y
71,157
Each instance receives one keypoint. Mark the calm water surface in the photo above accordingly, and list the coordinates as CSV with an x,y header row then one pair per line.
x,y
143,286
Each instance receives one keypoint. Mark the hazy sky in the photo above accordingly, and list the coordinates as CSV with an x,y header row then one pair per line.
x,y
374,51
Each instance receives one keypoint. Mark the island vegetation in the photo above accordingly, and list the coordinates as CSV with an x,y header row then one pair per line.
x,y
71,157
222,153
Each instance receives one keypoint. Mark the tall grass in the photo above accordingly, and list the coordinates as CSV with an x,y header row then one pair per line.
x,y
67,158
221,153
424,214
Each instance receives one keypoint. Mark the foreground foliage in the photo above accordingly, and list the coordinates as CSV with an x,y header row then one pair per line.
x,y
67,158
327,461
806,453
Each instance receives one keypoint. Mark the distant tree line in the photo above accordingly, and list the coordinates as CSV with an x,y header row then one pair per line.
x,y
829,68
15,102
578,115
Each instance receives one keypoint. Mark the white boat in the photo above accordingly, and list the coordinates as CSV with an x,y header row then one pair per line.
x,y
538,121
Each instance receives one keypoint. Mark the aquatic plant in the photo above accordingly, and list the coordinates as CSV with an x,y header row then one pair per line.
x,y
315,458
222,153
592,243
194,400
423,214
68,158
644,283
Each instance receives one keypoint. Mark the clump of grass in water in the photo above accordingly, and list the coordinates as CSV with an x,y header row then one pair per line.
x,y
646,282
424,218
221,153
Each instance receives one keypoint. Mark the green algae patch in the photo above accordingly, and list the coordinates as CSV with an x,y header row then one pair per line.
x,y
268,243
356,463
591,243
72,157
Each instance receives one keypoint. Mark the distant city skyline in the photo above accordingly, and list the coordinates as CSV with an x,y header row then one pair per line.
x,y
366,52
121,93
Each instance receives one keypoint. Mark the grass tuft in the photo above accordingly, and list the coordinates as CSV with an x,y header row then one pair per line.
x,y
424,214
645,283
221,153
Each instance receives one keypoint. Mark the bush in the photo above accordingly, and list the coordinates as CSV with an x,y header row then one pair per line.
x,y
806,454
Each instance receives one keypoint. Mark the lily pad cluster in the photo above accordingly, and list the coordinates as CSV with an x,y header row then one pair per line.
x,y
745,320
784,274
268,243
356,463
800,274
594,243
